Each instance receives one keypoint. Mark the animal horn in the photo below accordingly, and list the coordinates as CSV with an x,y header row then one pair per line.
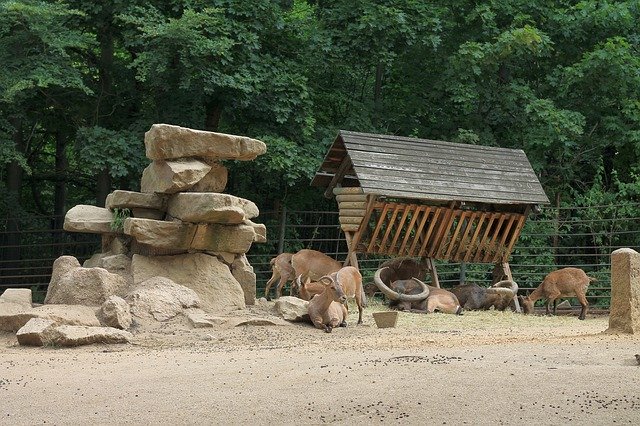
x,y
393,295
503,286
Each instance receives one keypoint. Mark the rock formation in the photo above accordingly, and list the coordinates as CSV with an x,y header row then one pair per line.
x,y
180,232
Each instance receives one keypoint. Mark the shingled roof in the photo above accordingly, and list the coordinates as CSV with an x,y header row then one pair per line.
x,y
423,169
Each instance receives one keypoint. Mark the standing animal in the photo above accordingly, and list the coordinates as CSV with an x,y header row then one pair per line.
x,y
413,294
327,309
562,283
281,270
286,267
474,297
313,264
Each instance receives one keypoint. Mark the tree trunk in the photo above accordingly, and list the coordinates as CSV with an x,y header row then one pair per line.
x,y
103,187
60,193
14,186
213,113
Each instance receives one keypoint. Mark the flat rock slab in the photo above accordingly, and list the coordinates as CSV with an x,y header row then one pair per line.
x,y
120,199
88,219
166,142
76,335
211,207
14,316
169,177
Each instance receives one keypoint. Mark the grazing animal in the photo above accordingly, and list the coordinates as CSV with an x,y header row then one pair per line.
x,y
473,297
327,310
281,270
313,264
413,294
563,283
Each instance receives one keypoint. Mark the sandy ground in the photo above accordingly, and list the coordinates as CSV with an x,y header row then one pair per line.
x,y
479,368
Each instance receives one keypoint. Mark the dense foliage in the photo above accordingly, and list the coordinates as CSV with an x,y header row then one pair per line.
x,y
81,81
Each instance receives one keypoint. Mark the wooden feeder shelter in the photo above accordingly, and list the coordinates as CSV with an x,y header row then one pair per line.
x,y
400,196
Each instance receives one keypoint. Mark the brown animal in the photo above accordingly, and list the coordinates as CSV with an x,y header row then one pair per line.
x,y
281,270
474,297
405,268
350,279
566,282
413,294
313,264
327,310
307,289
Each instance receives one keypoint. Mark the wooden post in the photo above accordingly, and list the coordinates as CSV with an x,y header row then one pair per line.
x,y
502,271
434,274
352,258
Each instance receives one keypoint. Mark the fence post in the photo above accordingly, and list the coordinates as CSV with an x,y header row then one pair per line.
x,y
283,223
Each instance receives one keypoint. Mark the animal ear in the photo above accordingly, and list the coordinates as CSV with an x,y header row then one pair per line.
x,y
326,280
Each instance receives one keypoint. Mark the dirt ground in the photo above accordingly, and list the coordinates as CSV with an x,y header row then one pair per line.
x,y
479,368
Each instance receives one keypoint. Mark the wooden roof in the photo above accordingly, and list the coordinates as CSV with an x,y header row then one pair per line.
x,y
422,169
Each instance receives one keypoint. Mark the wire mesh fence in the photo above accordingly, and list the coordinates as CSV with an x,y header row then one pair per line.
x,y
583,237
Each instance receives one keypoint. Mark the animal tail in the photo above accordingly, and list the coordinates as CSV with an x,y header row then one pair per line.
x,y
591,279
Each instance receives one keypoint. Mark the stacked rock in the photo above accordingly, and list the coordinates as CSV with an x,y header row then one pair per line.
x,y
181,226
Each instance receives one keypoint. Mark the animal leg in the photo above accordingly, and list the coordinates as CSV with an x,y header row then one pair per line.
x,y
273,279
283,280
585,305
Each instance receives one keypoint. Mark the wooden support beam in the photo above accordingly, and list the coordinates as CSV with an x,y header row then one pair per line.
x,y
337,177
434,274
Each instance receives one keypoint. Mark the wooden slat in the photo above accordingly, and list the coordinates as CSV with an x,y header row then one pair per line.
x,y
485,235
420,210
474,239
465,246
381,221
441,232
501,248
492,243
419,234
390,223
407,209
456,233
516,233
361,232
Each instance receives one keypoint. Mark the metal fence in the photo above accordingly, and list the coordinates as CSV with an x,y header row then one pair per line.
x,y
557,237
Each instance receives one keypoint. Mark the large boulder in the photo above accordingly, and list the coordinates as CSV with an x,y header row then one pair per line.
x,y
161,299
165,142
223,238
19,296
71,284
211,279
292,308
